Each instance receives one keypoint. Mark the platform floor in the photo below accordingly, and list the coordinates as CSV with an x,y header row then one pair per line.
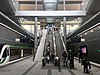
x,y
28,67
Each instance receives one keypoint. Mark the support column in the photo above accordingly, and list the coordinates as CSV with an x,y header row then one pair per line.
x,y
64,29
35,34
19,7
64,4
35,5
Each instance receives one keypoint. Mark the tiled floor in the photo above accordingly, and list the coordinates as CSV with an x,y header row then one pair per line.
x,y
28,67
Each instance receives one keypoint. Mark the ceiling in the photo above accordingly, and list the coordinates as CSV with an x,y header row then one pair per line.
x,y
91,19
50,5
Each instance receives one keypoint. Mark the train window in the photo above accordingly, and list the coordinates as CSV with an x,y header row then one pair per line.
x,y
6,52
1,45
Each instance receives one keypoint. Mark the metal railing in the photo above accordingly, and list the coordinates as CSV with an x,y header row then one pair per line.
x,y
54,44
64,44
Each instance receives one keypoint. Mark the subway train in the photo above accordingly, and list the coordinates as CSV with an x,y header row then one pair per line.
x,y
12,52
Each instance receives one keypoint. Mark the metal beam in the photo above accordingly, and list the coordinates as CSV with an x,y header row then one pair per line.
x,y
60,2
29,2
50,13
71,2
89,23
7,21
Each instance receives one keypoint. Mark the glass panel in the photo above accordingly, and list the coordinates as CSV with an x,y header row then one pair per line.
x,y
27,7
72,6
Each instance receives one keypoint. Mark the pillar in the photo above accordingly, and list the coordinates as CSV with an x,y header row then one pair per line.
x,y
64,29
64,4
35,34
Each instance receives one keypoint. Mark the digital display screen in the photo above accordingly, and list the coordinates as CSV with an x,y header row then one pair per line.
x,y
83,50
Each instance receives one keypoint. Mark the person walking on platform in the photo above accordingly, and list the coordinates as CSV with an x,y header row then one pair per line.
x,y
64,54
86,66
71,59
80,56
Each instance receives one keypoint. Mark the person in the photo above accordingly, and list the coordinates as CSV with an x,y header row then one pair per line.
x,y
86,64
80,56
64,54
48,59
48,44
52,56
56,61
48,51
59,65
71,59
43,61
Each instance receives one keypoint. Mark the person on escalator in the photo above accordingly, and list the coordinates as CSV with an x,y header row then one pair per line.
x,y
64,54
48,55
48,44
48,52
59,65
43,61
48,59
52,56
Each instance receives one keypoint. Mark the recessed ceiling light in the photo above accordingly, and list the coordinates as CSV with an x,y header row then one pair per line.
x,y
85,33
91,30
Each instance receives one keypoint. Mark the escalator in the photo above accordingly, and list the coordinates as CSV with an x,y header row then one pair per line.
x,y
59,44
